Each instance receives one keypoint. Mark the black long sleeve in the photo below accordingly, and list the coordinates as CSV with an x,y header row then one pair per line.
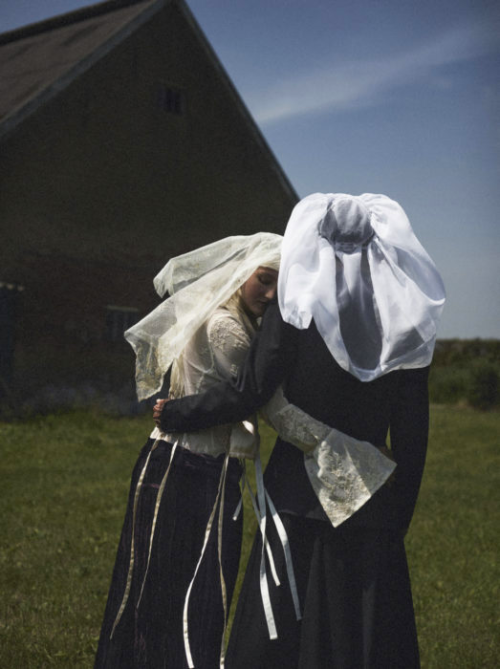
x,y
409,428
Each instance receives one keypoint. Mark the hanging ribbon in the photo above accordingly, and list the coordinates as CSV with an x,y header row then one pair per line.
x,y
288,555
185,622
264,586
261,513
132,550
153,527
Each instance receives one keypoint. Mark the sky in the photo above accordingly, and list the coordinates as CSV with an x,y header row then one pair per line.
x,y
400,97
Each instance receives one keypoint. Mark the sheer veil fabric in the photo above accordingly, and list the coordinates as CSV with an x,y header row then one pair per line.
x,y
354,265
198,283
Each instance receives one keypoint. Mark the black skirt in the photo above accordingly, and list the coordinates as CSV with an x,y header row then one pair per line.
x,y
355,596
150,634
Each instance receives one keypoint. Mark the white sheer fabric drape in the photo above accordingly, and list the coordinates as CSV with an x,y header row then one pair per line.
x,y
354,265
198,283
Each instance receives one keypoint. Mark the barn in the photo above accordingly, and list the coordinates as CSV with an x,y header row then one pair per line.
x,y
123,143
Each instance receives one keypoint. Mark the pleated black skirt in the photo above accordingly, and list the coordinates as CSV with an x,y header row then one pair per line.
x,y
150,634
355,596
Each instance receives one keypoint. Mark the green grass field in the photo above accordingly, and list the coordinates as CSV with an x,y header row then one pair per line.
x,y
64,486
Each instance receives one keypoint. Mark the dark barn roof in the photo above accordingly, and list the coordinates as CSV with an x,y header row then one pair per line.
x,y
36,61
39,60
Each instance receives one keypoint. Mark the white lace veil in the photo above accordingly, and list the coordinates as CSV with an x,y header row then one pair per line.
x,y
198,283
354,265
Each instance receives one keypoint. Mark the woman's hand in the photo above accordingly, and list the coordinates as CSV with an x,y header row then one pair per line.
x,y
157,409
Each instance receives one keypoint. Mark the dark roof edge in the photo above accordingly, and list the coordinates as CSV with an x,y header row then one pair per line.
x,y
28,108
67,19
254,128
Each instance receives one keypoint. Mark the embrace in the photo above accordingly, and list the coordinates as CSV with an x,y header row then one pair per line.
x,y
326,334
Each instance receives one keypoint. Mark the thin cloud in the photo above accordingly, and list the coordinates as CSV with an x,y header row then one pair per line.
x,y
361,83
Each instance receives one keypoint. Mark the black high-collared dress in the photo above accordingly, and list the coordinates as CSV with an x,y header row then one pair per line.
x,y
353,581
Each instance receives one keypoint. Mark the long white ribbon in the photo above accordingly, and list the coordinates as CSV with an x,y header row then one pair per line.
x,y
221,571
185,622
132,549
155,517
288,555
243,483
268,547
264,586
261,513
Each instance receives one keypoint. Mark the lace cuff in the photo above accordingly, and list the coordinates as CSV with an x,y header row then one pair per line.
x,y
345,473
292,424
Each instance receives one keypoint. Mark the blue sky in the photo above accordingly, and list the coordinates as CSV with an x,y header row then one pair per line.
x,y
394,96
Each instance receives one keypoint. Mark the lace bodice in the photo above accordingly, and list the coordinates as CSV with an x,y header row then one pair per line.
x,y
214,354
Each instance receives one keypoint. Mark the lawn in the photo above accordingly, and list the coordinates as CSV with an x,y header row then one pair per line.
x,y
64,486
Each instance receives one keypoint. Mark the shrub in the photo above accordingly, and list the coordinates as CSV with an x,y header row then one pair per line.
x,y
483,386
448,385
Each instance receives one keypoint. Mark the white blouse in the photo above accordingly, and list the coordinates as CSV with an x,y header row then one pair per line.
x,y
215,353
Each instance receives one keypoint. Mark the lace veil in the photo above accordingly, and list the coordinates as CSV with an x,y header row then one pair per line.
x,y
354,264
198,283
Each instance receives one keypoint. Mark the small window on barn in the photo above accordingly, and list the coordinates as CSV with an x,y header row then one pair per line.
x,y
119,319
171,100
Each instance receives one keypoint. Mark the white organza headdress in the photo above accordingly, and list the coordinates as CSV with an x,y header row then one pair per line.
x,y
354,265
198,283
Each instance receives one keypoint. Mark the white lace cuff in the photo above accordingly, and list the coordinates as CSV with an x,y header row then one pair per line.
x,y
293,424
345,473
